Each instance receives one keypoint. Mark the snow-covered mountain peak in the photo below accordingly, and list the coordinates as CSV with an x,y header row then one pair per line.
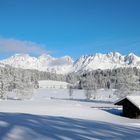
x,y
68,59
46,57
113,55
132,56
20,57
132,59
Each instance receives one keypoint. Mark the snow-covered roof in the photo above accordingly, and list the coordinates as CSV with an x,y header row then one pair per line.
x,y
135,99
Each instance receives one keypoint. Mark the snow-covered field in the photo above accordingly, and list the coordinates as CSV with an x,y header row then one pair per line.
x,y
52,115
53,84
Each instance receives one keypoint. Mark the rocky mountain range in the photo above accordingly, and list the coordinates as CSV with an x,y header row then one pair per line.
x,y
66,64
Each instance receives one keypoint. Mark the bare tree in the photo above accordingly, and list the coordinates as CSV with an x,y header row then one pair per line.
x,y
2,92
70,88
88,94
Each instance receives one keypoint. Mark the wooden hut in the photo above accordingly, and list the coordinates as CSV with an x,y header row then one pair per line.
x,y
131,106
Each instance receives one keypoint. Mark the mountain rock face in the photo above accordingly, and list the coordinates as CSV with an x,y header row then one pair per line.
x,y
66,64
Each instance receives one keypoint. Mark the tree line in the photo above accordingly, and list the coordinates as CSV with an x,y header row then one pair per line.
x,y
22,80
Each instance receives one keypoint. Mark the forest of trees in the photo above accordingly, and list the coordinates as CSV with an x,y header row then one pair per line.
x,y
19,80
111,79
24,81
125,80
122,79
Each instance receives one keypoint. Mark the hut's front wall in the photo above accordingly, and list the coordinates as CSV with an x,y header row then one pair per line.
x,y
130,110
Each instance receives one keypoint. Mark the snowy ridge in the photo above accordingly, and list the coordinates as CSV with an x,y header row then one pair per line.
x,y
106,61
66,64
42,63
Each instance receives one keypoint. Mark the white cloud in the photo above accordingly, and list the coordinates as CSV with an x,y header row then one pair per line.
x,y
10,45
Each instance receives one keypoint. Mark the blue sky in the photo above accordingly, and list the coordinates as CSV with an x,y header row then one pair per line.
x,y
69,27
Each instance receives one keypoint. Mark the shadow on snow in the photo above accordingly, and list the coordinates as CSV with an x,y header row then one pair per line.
x,y
61,128
114,111
84,100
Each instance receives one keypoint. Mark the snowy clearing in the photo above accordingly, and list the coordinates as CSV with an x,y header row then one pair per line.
x,y
52,115
53,84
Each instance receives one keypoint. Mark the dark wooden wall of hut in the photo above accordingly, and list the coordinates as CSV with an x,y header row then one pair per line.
x,y
130,110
